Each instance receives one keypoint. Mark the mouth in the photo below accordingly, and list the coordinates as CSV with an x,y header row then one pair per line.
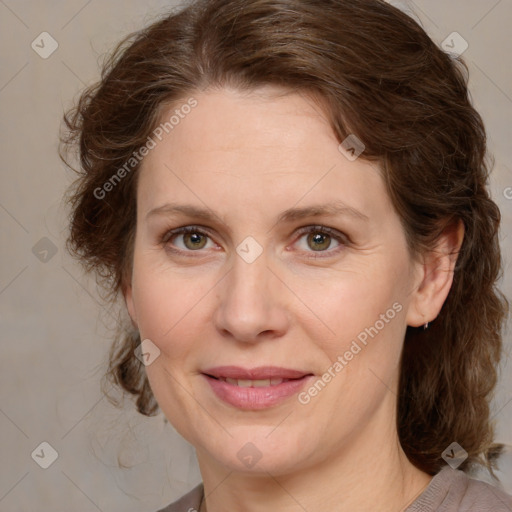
x,y
258,373
255,388
249,383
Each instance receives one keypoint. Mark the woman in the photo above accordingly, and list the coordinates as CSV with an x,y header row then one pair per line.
x,y
291,198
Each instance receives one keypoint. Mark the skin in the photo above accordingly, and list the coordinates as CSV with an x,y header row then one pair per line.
x,y
247,157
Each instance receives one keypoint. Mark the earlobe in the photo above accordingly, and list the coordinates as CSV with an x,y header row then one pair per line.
x,y
436,273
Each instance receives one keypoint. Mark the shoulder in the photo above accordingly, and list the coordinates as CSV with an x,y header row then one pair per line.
x,y
452,490
188,502
481,496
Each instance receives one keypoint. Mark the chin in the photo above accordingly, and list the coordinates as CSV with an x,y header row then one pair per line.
x,y
259,450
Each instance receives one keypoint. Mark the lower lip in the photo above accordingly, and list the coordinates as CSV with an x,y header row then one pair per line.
x,y
256,398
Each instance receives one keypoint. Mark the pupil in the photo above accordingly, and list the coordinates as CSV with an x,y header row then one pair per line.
x,y
195,239
318,238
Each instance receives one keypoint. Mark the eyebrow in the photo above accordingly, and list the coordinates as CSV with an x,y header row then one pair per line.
x,y
331,209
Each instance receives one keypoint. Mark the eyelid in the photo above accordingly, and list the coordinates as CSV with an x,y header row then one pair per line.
x,y
324,229
190,228
202,230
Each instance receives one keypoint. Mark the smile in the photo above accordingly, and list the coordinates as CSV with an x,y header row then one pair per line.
x,y
255,389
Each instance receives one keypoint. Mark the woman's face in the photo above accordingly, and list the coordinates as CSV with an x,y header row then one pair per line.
x,y
295,267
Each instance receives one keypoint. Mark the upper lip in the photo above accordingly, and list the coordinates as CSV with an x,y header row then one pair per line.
x,y
258,373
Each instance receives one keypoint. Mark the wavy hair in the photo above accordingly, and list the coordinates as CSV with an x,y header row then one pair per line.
x,y
380,77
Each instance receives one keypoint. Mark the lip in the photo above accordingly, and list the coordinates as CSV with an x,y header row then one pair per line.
x,y
260,372
255,398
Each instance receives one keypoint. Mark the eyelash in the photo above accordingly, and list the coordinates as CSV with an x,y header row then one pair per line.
x,y
338,236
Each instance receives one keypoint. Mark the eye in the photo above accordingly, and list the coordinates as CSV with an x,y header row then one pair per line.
x,y
320,238
192,239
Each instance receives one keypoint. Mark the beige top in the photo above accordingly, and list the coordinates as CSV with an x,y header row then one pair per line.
x,y
451,490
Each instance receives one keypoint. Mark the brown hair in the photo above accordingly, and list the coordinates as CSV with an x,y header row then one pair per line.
x,y
380,77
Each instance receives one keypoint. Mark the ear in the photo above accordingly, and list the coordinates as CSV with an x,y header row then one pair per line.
x,y
435,276
128,298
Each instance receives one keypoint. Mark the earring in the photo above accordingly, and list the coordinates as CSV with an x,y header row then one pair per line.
x,y
425,327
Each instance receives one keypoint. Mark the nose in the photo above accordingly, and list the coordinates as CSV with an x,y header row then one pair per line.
x,y
252,302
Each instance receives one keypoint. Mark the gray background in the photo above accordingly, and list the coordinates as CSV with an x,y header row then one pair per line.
x,y
55,336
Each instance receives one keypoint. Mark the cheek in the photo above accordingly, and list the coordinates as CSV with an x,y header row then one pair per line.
x,y
359,339
350,303
168,305
155,301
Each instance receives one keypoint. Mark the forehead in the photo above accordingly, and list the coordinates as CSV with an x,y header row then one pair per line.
x,y
262,144
227,119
